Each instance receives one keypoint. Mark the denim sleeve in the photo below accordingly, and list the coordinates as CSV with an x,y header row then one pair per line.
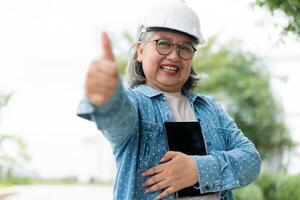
x,y
236,166
116,119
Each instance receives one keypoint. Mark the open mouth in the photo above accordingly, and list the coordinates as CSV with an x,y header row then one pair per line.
x,y
172,69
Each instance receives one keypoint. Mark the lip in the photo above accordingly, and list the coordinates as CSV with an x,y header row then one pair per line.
x,y
170,65
169,69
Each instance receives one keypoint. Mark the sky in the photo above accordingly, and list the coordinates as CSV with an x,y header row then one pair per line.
x,y
46,47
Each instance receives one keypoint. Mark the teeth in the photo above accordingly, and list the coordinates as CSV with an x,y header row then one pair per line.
x,y
170,68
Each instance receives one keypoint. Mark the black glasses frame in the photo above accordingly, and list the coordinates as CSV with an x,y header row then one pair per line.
x,y
178,47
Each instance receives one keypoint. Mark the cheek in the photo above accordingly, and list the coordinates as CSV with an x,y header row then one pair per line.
x,y
151,61
148,68
188,67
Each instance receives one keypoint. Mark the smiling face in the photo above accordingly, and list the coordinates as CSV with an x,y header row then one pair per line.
x,y
164,72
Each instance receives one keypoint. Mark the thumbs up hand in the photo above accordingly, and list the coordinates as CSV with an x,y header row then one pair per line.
x,y
102,77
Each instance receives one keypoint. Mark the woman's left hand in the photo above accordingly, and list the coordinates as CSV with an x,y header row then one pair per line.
x,y
176,171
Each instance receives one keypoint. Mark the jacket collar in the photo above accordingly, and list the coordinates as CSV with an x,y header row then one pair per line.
x,y
151,92
148,91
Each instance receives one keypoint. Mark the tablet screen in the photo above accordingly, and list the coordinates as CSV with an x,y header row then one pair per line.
x,y
187,138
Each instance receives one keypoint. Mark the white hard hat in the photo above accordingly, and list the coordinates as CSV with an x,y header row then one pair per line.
x,y
172,15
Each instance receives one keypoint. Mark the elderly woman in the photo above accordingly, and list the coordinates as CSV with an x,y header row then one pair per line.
x,y
160,79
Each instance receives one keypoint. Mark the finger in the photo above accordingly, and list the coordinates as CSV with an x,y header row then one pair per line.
x,y
100,81
153,180
99,91
154,170
97,99
106,46
104,66
110,72
168,156
100,84
158,186
106,79
168,191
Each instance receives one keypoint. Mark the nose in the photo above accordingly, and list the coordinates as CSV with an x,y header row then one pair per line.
x,y
174,55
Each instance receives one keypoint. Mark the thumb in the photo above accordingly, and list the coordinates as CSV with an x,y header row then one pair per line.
x,y
106,46
168,156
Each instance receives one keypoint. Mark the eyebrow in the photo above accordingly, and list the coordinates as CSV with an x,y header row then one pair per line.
x,y
182,42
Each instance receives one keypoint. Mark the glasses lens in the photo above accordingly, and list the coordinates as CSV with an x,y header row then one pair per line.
x,y
186,51
164,46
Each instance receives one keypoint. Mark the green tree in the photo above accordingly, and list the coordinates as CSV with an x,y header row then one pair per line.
x,y
291,8
10,161
4,99
253,192
241,82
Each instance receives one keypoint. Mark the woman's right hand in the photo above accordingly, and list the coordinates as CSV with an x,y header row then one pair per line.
x,y
102,78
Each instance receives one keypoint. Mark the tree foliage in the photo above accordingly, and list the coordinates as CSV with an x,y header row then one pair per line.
x,y
241,82
291,8
271,186
9,161
4,99
253,192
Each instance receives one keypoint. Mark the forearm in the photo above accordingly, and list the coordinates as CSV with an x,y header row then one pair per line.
x,y
114,119
226,170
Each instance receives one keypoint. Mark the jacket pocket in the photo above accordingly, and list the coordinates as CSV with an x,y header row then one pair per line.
x,y
152,144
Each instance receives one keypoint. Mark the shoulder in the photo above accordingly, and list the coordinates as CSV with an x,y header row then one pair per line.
x,y
205,98
207,101
135,94
202,98
138,98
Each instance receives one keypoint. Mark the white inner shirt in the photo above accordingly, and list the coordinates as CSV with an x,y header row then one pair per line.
x,y
182,111
180,107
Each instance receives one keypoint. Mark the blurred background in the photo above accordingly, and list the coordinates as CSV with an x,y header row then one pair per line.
x,y
250,63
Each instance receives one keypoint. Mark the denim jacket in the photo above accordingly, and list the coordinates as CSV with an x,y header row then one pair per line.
x,y
133,123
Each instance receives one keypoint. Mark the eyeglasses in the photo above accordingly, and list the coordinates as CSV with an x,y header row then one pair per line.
x,y
165,47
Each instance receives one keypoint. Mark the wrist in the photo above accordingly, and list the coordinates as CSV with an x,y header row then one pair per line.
x,y
195,178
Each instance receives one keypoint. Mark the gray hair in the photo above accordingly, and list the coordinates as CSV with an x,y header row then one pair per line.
x,y
135,73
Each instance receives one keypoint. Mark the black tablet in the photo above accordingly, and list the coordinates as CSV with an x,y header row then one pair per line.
x,y
187,138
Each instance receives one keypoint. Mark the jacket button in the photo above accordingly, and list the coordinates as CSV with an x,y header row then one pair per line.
x,y
208,143
206,187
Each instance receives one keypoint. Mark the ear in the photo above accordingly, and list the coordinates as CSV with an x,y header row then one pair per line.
x,y
139,51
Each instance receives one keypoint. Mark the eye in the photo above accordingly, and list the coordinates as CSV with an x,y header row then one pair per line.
x,y
164,43
186,48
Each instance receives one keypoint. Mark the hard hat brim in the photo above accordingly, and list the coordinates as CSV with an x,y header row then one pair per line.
x,y
194,39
